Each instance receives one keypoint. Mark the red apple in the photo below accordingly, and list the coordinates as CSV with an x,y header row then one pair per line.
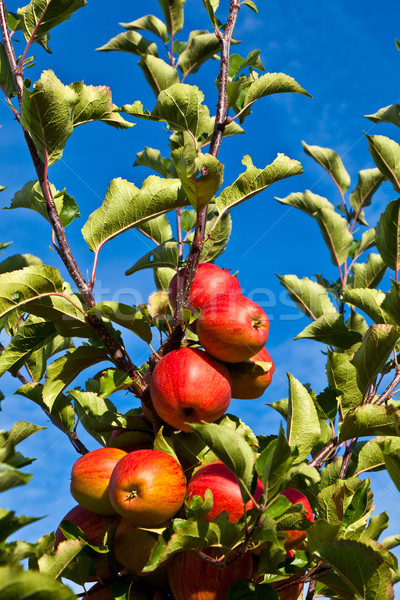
x,y
232,328
225,489
189,386
147,487
209,281
193,578
95,527
295,537
90,477
132,546
247,383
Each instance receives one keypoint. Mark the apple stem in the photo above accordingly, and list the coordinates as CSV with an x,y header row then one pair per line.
x,y
132,495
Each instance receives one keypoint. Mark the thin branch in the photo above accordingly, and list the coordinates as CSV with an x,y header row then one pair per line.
x,y
347,457
219,128
325,452
179,232
41,167
388,393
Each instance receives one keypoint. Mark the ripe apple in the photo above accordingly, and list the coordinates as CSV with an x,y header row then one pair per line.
x,y
295,537
95,527
147,487
225,489
247,382
193,578
208,282
232,328
189,386
90,476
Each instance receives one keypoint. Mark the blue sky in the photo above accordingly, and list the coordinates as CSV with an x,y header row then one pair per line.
x,y
343,53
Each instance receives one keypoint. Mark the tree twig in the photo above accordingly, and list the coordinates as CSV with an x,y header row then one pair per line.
x,y
41,167
183,293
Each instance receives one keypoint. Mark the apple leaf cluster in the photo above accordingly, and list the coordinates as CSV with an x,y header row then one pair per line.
x,y
56,331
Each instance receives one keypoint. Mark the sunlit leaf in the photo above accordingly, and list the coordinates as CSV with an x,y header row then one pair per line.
x,y
331,162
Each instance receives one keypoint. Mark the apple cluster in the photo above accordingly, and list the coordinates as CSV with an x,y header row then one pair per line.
x,y
128,492
190,385
126,498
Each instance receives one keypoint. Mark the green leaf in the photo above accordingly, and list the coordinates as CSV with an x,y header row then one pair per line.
x,y
321,532
370,455
391,303
237,63
254,8
6,77
38,17
130,41
271,83
388,114
369,301
231,448
273,464
66,312
63,370
336,235
388,235
307,202
201,175
54,564
201,46
173,15
29,337
31,196
21,287
330,329
367,241
386,155
89,408
254,181
10,478
62,408
303,428
149,23
183,535
17,584
370,273
370,420
9,523
243,589
150,157
181,108
127,316
332,163
47,114
369,181
310,297
18,261
360,567
370,358
125,206
391,454
165,255
95,104
159,74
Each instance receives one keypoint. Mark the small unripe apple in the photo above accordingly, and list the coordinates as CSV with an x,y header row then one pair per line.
x,y
225,490
247,382
189,386
90,477
95,527
132,546
147,487
232,328
209,282
129,441
295,537
193,578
